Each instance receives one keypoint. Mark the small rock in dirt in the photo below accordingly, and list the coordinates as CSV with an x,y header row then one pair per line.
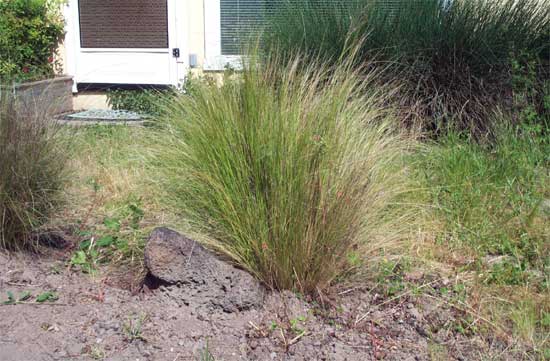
x,y
414,312
54,239
202,278
20,276
415,275
74,350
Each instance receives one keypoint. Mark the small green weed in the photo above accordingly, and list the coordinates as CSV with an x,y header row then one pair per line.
x,y
296,324
97,353
390,276
48,296
12,300
94,251
133,328
205,354
25,296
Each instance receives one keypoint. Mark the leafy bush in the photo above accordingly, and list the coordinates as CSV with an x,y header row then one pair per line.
x,y
32,169
142,101
290,171
30,31
455,56
491,197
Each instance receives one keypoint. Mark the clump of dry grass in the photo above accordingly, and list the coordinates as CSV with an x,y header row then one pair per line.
x,y
32,169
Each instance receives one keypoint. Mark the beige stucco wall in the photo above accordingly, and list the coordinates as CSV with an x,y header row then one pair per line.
x,y
90,100
61,58
195,34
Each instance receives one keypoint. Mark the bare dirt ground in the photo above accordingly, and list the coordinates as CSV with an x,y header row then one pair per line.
x,y
94,319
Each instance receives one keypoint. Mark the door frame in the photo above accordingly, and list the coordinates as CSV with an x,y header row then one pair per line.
x,y
176,39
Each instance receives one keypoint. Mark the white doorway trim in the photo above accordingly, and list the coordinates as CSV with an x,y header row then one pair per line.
x,y
127,65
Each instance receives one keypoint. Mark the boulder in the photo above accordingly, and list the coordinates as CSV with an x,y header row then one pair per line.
x,y
197,276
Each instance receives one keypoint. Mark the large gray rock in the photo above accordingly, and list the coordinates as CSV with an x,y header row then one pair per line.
x,y
197,276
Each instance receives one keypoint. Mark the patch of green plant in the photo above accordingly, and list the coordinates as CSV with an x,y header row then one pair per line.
x,y
465,325
30,31
95,250
390,276
488,195
25,296
531,92
286,169
508,273
48,296
97,353
205,354
530,323
133,328
296,324
148,102
12,300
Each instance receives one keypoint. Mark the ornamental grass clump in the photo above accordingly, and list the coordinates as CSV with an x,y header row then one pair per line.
x,y
32,170
455,58
292,170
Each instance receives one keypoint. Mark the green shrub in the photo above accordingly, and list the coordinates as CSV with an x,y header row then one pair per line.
x,y
290,172
491,197
30,31
142,101
455,56
32,169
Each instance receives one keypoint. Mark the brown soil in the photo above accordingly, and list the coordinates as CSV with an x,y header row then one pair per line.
x,y
92,319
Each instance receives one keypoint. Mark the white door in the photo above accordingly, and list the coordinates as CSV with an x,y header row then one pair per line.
x,y
124,41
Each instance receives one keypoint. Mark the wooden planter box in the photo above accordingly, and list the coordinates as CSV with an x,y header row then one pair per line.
x,y
52,96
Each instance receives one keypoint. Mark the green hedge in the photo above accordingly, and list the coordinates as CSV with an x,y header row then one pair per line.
x,y
30,31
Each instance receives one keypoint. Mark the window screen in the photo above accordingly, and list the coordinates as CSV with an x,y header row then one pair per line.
x,y
242,19
123,23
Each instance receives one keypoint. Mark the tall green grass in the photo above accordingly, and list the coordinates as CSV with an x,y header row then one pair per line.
x,y
454,56
32,170
319,29
290,170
